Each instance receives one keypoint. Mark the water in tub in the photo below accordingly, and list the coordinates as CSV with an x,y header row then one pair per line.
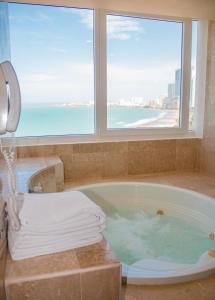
x,y
140,235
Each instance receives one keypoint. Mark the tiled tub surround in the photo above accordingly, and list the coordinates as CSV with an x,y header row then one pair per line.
x,y
88,273
118,159
208,144
69,274
76,273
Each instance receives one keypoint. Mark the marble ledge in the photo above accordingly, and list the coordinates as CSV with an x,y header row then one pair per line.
x,y
201,182
85,259
81,269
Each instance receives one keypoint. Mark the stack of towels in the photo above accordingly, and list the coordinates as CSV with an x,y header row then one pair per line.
x,y
55,222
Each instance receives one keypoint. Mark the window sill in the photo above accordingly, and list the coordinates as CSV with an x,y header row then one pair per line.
x,y
76,139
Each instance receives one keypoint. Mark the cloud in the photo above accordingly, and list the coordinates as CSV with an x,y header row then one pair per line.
x,y
71,82
75,82
36,17
121,28
160,73
85,14
118,27
86,17
150,82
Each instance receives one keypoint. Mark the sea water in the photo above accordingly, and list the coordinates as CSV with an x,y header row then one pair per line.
x,y
143,235
39,120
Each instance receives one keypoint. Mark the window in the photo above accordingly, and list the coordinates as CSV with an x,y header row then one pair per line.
x,y
144,72
97,73
52,52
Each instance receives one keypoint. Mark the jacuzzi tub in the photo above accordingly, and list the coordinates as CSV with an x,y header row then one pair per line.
x,y
155,204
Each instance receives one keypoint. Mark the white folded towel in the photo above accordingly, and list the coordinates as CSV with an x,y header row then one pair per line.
x,y
55,208
55,222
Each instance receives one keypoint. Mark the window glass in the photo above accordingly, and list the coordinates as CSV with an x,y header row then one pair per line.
x,y
4,33
144,72
52,52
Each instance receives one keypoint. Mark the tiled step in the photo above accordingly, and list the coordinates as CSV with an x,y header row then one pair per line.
x,y
87,273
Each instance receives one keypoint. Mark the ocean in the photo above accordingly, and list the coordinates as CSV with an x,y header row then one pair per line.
x,y
42,120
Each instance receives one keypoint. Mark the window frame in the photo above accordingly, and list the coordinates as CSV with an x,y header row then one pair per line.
x,y
185,84
102,133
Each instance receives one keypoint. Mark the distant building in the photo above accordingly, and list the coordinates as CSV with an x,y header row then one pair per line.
x,y
171,103
171,90
178,83
154,103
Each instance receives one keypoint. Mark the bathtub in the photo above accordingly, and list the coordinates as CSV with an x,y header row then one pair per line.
x,y
194,212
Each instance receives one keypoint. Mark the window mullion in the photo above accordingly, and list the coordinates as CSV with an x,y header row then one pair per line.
x,y
201,65
186,74
100,72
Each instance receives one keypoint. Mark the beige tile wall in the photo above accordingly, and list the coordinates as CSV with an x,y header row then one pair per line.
x,y
112,159
208,144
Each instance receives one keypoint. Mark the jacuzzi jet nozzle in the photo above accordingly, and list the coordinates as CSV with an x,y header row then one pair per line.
x,y
160,212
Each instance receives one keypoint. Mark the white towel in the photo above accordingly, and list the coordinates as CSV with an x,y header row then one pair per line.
x,y
55,222
40,209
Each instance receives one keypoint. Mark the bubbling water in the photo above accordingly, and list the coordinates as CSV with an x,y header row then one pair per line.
x,y
144,235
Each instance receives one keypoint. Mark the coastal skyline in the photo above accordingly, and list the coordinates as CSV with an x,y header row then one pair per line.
x,y
170,101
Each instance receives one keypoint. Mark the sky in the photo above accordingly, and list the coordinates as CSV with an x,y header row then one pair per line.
x,y
52,52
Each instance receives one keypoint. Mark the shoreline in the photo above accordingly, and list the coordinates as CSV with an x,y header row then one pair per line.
x,y
78,123
168,118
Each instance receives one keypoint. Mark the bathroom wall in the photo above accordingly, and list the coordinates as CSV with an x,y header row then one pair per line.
x,y
120,159
208,143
